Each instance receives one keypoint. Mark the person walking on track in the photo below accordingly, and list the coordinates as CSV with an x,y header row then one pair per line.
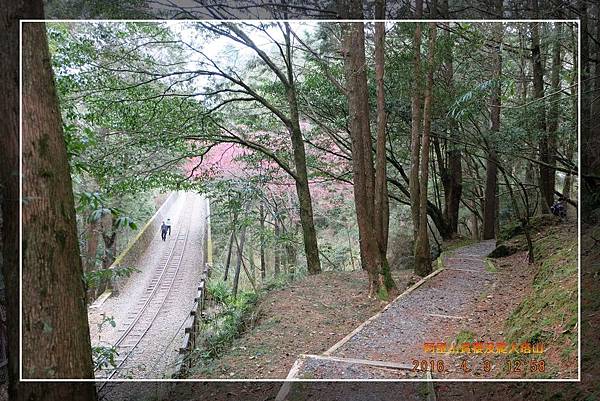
x,y
163,231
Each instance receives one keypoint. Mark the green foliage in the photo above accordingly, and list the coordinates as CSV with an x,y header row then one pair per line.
x,y
93,203
223,328
515,228
78,142
490,266
465,336
219,292
550,312
107,319
96,9
94,279
277,282
104,357
382,293
125,136
468,103
90,201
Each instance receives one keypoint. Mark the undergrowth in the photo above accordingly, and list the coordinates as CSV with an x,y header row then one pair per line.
x,y
232,316
549,313
465,336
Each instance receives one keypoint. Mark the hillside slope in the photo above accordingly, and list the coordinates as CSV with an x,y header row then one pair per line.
x,y
306,316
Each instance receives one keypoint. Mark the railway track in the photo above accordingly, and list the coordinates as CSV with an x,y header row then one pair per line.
x,y
148,306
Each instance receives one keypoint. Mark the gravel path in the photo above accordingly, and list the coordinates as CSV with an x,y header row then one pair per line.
x,y
397,335
157,349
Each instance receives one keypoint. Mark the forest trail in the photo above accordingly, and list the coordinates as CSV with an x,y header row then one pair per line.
x,y
158,333
385,346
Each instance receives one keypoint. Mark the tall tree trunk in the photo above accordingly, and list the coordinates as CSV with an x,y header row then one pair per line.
x,y
253,270
355,65
350,249
54,305
453,174
553,109
590,111
497,218
523,65
229,252
491,175
91,246
250,274
415,143
530,169
276,247
374,262
422,246
522,217
263,264
10,14
454,193
239,261
306,211
546,189
594,108
588,153
474,222
230,247
572,136
291,258
110,249
109,237
382,212
475,201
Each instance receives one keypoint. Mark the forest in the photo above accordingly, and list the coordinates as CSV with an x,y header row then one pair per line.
x,y
324,149
267,119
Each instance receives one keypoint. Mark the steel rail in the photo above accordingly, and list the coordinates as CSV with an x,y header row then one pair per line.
x,y
160,284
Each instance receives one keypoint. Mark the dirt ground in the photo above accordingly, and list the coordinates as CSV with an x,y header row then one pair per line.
x,y
308,316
